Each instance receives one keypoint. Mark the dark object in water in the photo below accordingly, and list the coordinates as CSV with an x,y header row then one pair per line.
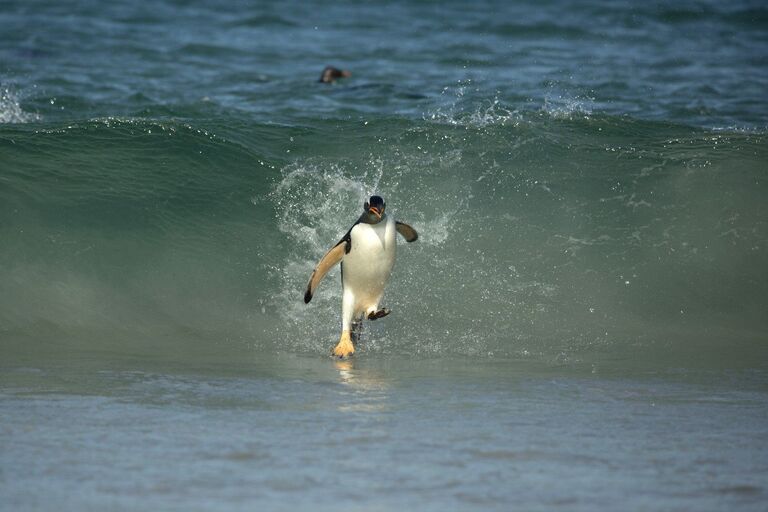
x,y
330,74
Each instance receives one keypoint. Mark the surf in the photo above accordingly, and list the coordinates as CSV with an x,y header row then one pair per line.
x,y
557,238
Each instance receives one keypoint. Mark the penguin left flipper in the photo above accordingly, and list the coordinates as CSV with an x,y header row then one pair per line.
x,y
330,259
407,231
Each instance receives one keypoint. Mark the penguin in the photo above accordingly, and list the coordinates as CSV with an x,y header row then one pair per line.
x,y
367,254
330,74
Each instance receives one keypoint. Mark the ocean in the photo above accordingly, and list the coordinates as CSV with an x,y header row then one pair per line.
x,y
582,324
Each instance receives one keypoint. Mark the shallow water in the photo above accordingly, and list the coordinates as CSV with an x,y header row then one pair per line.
x,y
580,326
288,432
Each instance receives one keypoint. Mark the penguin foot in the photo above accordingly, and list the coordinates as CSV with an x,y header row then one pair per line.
x,y
344,348
375,315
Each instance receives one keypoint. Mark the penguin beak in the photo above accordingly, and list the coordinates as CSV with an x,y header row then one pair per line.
x,y
375,211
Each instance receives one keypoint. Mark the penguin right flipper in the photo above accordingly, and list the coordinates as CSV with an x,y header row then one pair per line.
x,y
330,259
407,231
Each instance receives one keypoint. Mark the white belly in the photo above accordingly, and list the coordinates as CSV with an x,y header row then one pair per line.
x,y
367,266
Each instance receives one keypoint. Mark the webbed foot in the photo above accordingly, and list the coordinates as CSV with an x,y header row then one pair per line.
x,y
375,315
344,348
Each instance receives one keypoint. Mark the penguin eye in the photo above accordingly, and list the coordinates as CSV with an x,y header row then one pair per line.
x,y
366,205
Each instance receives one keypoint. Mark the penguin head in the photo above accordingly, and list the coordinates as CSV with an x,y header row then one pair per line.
x,y
330,74
374,210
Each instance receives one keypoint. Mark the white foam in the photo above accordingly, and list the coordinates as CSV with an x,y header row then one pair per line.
x,y
480,114
566,107
458,110
315,202
10,108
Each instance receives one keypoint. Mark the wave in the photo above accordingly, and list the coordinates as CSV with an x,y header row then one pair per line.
x,y
546,235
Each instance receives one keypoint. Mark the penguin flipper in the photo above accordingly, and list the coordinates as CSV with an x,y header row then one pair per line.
x,y
407,231
330,259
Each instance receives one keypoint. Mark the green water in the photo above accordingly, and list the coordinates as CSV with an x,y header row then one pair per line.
x,y
580,326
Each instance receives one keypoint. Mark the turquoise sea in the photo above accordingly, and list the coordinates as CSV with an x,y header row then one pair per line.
x,y
582,324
